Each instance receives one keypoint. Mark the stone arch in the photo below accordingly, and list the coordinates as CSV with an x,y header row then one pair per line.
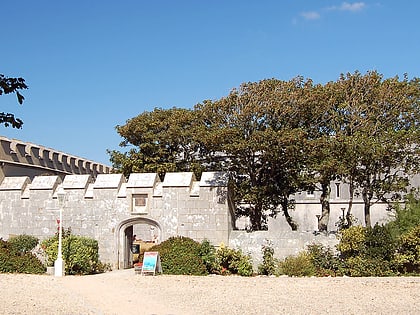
x,y
124,234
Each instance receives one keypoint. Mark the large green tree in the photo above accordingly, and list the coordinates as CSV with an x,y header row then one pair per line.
x,y
277,138
10,86
378,135
259,130
159,141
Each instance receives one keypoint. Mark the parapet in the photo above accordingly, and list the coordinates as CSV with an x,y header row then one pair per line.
x,y
137,182
18,157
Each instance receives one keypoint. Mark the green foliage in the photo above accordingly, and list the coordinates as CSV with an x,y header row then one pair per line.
x,y
406,217
379,243
351,241
234,261
207,253
298,266
23,243
407,258
360,266
269,265
283,137
367,251
10,86
325,261
181,256
14,259
80,254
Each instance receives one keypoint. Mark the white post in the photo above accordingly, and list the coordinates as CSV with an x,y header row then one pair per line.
x,y
59,262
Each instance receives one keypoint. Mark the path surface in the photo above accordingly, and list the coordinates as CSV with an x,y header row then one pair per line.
x,y
123,292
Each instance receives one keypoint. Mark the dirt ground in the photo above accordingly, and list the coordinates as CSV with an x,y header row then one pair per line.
x,y
124,292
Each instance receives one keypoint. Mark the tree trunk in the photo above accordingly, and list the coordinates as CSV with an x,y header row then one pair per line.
x,y
255,218
325,207
289,219
367,197
348,214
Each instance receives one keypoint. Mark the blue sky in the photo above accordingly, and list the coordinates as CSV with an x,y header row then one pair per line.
x,y
91,65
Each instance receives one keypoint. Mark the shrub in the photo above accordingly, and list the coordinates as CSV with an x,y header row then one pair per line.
x,y
407,258
379,243
181,256
14,260
405,218
325,261
269,265
352,241
367,251
80,254
359,266
234,261
207,252
23,243
298,266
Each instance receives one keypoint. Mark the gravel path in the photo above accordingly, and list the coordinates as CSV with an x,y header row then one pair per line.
x,y
124,292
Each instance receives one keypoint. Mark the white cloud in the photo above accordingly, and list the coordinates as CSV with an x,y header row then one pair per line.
x,y
352,7
312,15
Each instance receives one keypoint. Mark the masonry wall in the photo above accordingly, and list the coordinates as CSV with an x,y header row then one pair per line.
x,y
104,208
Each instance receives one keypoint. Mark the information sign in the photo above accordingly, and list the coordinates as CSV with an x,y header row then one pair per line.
x,y
151,263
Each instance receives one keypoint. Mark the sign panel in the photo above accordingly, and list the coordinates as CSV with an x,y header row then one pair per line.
x,y
151,263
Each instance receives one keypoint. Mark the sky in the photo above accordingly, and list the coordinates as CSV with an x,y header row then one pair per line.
x,y
92,65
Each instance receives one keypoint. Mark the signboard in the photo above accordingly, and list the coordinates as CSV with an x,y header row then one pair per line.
x,y
151,263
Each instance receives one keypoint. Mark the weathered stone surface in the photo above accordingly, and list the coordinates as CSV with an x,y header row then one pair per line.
x,y
184,179
214,179
108,181
142,180
76,181
15,183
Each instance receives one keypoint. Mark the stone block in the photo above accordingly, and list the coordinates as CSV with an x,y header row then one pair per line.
x,y
181,179
109,181
214,179
15,183
45,183
142,180
76,181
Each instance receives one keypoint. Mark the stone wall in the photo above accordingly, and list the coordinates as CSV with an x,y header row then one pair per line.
x,y
108,208
19,158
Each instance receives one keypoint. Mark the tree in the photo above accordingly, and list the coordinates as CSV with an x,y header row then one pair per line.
x,y
379,135
161,141
258,129
10,86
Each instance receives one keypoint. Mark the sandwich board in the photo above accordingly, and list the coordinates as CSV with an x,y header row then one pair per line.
x,y
151,263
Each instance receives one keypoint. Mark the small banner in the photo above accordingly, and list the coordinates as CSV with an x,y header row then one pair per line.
x,y
151,263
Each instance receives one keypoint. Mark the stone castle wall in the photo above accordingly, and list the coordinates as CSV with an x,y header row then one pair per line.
x,y
107,209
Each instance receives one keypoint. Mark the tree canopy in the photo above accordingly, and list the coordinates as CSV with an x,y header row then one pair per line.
x,y
10,86
276,138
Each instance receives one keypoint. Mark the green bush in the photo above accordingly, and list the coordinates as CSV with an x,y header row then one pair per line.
x,y
379,243
14,260
352,241
405,218
298,266
80,254
23,243
326,263
360,266
207,253
269,265
181,256
407,258
233,261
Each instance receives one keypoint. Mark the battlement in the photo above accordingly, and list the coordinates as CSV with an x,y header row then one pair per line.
x,y
137,183
24,158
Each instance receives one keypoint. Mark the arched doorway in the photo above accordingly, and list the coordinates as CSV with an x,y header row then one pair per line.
x,y
144,229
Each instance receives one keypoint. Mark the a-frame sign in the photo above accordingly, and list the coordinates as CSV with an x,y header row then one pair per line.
x,y
151,263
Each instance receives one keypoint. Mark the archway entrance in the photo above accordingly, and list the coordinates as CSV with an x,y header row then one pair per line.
x,y
142,231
